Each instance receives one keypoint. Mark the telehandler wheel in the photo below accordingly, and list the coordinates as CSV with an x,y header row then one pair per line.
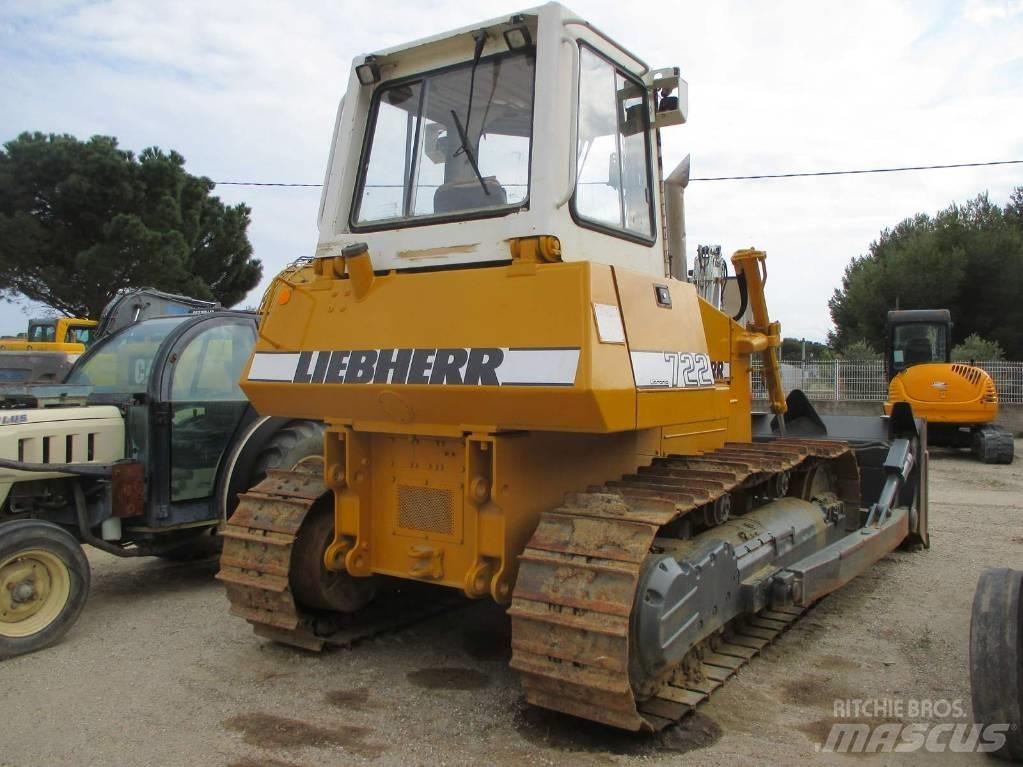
x,y
44,581
291,444
996,656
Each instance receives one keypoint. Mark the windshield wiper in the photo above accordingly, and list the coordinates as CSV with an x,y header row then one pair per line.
x,y
480,38
463,137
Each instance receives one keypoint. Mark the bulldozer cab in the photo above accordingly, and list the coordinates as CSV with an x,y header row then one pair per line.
x,y
451,150
917,337
176,378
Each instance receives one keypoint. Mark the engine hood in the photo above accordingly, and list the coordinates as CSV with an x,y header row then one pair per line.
x,y
945,383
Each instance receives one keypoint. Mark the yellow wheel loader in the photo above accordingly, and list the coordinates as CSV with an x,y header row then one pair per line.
x,y
524,399
959,402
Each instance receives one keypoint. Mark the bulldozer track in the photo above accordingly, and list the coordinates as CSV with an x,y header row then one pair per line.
x,y
578,577
256,564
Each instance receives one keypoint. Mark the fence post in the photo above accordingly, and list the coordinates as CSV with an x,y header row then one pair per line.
x,y
838,364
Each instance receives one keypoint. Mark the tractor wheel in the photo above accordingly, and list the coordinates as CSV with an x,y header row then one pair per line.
x,y
44,581
996,656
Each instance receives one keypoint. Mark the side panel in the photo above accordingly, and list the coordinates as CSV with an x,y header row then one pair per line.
x,y
680,349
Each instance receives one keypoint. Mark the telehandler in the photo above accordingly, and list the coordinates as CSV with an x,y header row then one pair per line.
x,y
526,401
959,401
142,452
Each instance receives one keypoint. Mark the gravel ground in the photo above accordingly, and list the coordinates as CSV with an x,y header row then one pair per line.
x,y
157,673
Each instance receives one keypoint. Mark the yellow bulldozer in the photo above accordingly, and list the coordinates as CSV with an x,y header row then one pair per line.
x,y
526,401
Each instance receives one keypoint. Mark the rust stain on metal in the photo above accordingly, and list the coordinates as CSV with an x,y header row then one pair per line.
x,y
413,255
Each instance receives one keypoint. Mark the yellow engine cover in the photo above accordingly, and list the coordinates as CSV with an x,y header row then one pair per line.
x,y
571,347
946,393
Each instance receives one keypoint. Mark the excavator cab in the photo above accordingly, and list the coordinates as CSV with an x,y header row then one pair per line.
x,y
959,401
917,337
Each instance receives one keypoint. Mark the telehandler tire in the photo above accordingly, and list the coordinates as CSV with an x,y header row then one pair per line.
x,y
44,582
996,656
292,443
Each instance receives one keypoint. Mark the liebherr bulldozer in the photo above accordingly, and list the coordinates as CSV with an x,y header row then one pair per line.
x,y
525,400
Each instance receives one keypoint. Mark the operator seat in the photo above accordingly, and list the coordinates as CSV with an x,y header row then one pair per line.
x,y
918,351
469,195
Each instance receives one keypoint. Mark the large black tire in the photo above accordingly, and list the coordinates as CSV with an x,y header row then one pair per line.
x,y
293,442
996,656
44,582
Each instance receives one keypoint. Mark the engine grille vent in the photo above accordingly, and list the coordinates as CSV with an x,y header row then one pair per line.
x,y
428,509
971,374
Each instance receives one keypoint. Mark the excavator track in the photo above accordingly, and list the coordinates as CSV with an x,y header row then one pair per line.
x,y
573,599
256,568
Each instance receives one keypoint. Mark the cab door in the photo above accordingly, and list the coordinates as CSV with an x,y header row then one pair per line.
x,y
203,407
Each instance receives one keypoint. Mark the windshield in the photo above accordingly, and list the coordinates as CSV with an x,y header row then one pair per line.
x,y
122,363
44,331
449,142
919,343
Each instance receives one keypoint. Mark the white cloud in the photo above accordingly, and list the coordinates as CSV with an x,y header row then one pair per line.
x,y
248,91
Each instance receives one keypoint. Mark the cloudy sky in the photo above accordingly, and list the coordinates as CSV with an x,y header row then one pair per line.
x,y
248,91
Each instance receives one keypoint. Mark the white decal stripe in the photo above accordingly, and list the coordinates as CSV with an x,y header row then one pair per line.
x,y
653,369
273,367
538,367
671,370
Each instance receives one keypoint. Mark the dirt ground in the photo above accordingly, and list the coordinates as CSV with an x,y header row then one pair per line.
x,y
157,673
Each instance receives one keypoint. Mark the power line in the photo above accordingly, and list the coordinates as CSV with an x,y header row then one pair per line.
x,y
259,183
862,170
858,171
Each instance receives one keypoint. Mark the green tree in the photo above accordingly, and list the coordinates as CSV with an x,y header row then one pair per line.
x,y
967,258
792,349
81,220
859,351
975,348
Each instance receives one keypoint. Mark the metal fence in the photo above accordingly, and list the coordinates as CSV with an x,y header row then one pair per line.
x,y
865,381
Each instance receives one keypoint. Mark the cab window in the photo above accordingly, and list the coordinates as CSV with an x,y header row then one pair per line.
x,y
919,343
452,143
613,189
43,332
121,364
79,336
206,405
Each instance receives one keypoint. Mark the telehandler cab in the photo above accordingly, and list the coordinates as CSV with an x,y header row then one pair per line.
x,y
142,452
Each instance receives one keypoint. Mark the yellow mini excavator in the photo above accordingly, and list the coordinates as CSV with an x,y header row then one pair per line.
x,y
526,401
959,402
